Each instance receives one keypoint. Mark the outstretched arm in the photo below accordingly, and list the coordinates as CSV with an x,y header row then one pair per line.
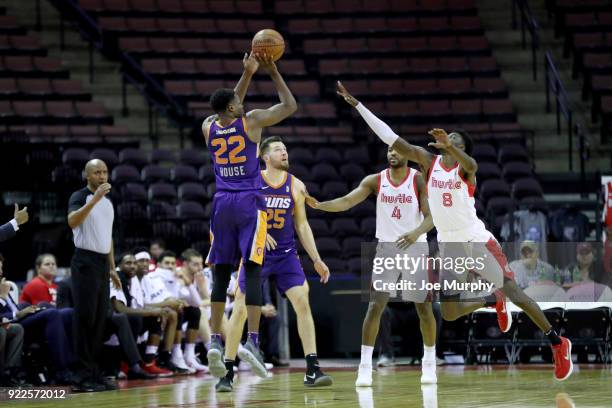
x,y
467,163
386,134
250,67
304,232
260,118
368,185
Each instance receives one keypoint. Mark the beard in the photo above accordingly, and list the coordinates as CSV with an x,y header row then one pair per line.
x,y
397,165
283,166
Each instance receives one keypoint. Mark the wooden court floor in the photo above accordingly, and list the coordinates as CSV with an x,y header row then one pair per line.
x,y
458,386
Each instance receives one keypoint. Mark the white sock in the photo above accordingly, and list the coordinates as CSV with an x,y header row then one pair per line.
x,y
429,353
366,354
177,351
151,350
189,351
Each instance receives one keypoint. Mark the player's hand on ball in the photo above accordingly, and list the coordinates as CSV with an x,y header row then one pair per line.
x,y
270,243
251,65
407,239
442,140
311,201
102,190
21,216
266,62
322,270
341,90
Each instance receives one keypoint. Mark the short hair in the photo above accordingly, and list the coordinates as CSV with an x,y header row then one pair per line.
x,y
265,144
39,259
166,254
158,241
221,98
190,253
467,139
124,254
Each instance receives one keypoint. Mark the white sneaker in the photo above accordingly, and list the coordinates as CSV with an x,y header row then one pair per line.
x,y
384,361
269,366
195,364
364,376
244,366
428,372
179,361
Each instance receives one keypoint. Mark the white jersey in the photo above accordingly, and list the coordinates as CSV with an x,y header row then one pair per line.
x,y
451,199
397,207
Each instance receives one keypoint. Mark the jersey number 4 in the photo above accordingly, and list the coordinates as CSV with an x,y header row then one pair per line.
x,y
396,213
447,200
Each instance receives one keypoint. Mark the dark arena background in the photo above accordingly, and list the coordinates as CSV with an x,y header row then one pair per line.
x,y
128,82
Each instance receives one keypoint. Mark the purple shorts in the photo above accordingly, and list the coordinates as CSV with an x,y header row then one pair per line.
x,y
238,228
286,270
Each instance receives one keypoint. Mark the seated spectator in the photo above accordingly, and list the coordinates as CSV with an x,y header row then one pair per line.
x,y
11,343
129,300
585,269
193,286
41,288
43,324
162,288
530,269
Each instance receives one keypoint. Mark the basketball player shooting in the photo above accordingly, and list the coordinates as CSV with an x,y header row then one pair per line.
x,y
238,218
285,196
451,182
402,219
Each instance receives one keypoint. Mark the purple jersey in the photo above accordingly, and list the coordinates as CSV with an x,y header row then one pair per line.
x,y
235,157
280,206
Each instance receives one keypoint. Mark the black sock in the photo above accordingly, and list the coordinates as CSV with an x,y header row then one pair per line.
x,y
553,337
490,300
149,358
312,363
164,356
229,366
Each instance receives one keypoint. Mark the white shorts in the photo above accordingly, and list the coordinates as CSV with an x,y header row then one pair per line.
x,y
417,275
479,244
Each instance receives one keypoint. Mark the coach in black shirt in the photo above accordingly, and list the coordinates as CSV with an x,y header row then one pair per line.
x,y
90,215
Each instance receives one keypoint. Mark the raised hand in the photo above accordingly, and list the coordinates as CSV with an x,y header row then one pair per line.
x,y
250,63
442,140
322,270
21,216
266,62
102,190
341,90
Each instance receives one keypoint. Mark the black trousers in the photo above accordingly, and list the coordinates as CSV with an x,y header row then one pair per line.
x,y
90,292
121,325
11,343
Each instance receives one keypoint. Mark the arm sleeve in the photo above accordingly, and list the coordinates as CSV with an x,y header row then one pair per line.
x,y
77,200
7,231
382,130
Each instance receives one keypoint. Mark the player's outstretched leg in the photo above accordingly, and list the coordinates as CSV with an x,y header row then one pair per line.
x,y
298,296
369,331
427,322
222,274
561,346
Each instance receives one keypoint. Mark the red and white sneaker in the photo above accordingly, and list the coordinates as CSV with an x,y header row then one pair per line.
x,y
152,368
504,317
562,356
123,371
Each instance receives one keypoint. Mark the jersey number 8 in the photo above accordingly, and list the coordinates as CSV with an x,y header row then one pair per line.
x,y
447,200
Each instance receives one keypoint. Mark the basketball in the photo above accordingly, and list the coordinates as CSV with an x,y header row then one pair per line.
x,y
270,42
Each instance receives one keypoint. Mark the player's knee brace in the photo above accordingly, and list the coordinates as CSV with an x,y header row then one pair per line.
x,y
252,275
221,278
